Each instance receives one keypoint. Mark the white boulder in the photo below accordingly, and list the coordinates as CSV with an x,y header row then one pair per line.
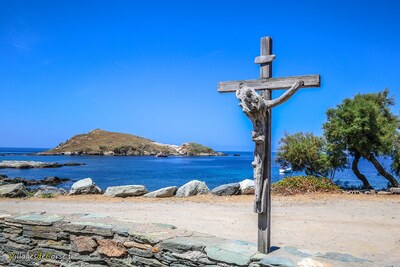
x,y
192,188
247,187
84,187
163,192
126,191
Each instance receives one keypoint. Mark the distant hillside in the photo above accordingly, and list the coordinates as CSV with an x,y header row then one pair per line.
x,y
100,142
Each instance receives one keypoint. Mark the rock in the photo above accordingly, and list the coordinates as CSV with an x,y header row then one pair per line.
x,y
22,164
36,219
92,228
59,245
237,253
18,180
13,190
226,189
163,192
384,193
139,261
247,187
276,261
192,188
126,191
47,181
110,248
83,244
49,190
395,190
85,260
193,256
54,180
308,262
83,187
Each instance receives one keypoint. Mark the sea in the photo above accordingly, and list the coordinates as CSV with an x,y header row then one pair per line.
x,y
156,173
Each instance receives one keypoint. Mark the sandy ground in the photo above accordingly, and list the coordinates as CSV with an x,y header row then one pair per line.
x,y
365,226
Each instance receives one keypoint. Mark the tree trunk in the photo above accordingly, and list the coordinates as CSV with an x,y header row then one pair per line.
x,y
370,157
357,172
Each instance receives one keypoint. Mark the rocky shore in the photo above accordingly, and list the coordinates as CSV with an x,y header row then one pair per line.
x,y
51,180
19,187
23,164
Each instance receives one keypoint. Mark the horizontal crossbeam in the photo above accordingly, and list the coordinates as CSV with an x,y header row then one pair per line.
x,y
271,84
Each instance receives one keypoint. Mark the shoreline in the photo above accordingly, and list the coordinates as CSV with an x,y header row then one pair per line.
x,y
106,170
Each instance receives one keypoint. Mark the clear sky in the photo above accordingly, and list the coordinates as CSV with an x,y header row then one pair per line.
x,y
151,68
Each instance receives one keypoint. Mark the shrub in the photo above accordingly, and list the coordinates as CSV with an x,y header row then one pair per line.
x,y
48,195
304,184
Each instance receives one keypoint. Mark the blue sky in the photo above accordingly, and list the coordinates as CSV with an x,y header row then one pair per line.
x,y
151,68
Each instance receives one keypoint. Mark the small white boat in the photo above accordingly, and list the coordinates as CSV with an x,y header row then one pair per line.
x,y
285,170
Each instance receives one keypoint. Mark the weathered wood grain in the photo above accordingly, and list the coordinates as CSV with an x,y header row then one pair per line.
x,y
285,96
271,84
264,59
258,108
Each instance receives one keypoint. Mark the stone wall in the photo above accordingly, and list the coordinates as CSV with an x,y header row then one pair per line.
x,y
96,240
51,240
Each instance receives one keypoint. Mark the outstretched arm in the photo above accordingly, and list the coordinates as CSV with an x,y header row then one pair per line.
x,y
251,102
285,96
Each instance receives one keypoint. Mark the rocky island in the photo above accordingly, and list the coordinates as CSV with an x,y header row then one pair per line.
x,y
101,142
24,164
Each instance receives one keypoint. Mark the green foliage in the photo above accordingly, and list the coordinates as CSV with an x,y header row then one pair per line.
x,y
304,184
396,158
194,148
365,125
310,153
47,195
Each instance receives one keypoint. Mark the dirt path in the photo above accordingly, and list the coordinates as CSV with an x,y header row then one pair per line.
x,y
362,225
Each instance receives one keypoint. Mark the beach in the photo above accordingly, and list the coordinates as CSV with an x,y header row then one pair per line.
x,y
366,226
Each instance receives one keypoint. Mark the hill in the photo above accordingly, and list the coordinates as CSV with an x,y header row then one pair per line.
x,y
101,142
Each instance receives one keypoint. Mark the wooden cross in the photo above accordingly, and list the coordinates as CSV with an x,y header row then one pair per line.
x,y
258,108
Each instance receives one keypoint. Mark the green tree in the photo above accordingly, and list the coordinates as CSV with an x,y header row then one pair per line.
x,y
310,153
364,126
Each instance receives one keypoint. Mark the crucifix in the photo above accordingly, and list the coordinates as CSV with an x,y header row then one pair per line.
x,y
257,108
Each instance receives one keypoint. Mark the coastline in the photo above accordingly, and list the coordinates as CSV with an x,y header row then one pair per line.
x,y
156,173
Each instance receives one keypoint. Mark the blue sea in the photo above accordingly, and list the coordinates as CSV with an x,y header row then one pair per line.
x,y
156,173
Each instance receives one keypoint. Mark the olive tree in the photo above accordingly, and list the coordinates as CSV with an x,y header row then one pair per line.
x,y
311,154
365,127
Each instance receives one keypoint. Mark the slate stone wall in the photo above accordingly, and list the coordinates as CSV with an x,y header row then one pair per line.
x,y
39,240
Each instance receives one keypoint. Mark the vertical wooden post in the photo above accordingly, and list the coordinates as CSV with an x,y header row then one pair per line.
x,y
264,219
258,108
